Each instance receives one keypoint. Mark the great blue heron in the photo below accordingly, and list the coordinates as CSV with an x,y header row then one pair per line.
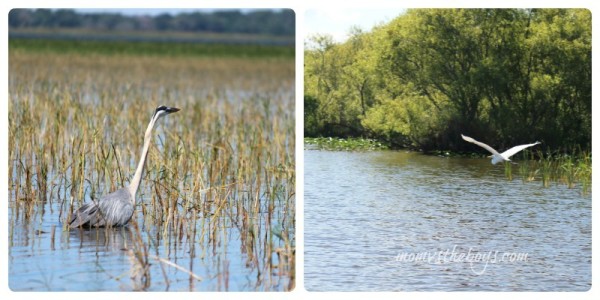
x,y
116,208
498,157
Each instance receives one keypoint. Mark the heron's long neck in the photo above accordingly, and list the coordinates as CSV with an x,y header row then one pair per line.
x,y
137,177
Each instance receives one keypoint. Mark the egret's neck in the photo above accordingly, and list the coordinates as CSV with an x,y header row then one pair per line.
x,y
137,177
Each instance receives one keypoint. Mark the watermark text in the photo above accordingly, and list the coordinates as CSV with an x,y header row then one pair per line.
x,y
478,260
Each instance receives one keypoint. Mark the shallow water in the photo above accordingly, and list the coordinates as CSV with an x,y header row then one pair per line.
x,y
398,221
44,257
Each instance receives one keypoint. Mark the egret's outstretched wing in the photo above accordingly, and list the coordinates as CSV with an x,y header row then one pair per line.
x,y
510,152
480,144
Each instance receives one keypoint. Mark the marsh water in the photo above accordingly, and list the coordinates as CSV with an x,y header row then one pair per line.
x,y
402,221
44,257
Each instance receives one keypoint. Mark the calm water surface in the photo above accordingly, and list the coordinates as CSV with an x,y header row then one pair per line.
x,y
397,221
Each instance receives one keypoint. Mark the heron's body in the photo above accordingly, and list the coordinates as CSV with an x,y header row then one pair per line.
x,y
496,156
116,208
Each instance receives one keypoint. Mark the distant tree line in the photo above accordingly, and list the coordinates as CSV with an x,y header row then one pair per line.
x,y
271,22
505,76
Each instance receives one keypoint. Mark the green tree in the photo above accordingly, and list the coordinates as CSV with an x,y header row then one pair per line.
x,y
339,77
493,72
511,75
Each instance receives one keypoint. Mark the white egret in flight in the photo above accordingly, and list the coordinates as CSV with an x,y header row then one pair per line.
x,y
498,157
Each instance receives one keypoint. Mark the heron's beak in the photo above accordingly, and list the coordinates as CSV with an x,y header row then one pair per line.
x,y
172,109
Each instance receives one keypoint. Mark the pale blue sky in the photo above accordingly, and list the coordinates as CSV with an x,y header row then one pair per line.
x,y
337,22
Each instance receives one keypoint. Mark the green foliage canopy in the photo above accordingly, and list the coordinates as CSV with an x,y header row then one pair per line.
x,y
511,75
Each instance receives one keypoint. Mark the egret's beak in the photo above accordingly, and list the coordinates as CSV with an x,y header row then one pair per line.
x,y
172,109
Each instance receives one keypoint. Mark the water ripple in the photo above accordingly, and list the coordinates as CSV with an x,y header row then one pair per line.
x,y
364,210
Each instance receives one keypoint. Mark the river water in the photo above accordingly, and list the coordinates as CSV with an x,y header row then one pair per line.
x,y
402,221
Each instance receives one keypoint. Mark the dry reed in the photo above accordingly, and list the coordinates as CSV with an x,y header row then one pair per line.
x,y
224,162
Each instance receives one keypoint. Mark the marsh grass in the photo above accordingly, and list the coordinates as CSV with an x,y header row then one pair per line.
x,y
572,169
222,168
243,49
140,260
508,170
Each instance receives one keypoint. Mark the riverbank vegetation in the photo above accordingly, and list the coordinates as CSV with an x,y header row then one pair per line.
x,y
504,76
345,144
572,169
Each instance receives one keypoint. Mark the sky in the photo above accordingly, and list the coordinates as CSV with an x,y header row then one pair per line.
x,y
337,22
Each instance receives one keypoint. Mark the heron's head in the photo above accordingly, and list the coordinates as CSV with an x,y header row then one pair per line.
x,y
162,111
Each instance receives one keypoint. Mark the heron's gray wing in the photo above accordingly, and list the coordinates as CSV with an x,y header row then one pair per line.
x,y
510,152
83,215
480,144
114,209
